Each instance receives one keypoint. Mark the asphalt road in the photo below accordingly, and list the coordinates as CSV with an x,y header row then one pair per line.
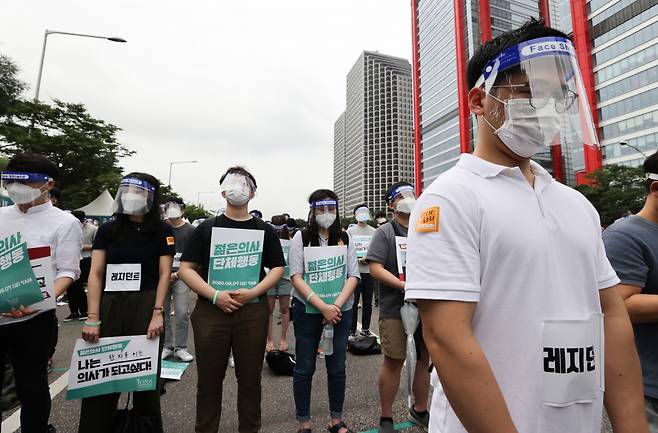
x,y
278,414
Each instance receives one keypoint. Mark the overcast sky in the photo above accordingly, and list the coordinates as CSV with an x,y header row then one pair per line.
x,y
252,82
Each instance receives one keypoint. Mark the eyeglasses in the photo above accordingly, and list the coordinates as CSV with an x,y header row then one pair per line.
x,y
538,98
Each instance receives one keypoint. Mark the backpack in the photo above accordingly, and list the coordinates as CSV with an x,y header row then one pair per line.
x,y
364,345
281,363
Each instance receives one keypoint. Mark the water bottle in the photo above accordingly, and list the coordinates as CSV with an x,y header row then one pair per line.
x,y
328,339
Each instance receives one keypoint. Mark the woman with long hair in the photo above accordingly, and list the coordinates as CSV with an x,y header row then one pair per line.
x,y
324,272
136,239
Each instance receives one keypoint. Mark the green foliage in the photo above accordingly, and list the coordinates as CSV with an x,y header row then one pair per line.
x,y
10,86
166,192
193,212
615,190
84,148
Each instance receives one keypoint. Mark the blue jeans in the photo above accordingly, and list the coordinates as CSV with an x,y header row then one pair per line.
x,y
308,330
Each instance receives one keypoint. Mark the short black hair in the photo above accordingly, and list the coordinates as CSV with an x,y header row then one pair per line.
x,y
79,214
56,193
380,214
359,207
532,29
258,214
179,201
391,188
650,166
239,170
28,162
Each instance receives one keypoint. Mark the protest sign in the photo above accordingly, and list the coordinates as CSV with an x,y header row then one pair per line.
x,y
325,271
285,247
18,283
361,244
401,254
172,370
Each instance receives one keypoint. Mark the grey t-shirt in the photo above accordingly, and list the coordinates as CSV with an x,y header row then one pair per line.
x,y
366,231
182,235
632,248
382,250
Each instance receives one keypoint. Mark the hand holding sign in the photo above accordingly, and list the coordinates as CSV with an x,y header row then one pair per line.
x,y
155,327
21,312
90,334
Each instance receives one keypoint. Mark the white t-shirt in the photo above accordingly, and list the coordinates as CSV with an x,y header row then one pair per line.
x,y
480,233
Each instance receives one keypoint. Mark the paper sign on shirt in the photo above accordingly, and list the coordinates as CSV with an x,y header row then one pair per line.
x,y
172,370
285,247
361,244
176,263
401,254
325,271
113,364
572,361
235,258
18,284
125,277
42,266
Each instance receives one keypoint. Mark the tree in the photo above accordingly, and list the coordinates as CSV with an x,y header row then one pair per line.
x,y
615,190
193,212
84,148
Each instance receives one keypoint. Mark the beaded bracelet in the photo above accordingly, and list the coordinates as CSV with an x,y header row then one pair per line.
x,y
93,323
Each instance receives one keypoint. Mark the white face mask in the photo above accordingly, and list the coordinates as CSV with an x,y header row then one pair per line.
x,y
325,220
134,204
406,205
23,194
237,196
527,130
174,212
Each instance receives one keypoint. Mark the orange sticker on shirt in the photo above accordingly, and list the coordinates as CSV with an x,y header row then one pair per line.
x,y
170,240
429,220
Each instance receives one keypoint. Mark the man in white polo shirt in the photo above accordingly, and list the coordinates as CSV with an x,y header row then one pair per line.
x,y
508,267
53,237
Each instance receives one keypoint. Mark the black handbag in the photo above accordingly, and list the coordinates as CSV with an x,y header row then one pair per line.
x,y
364,345
281,363
128,421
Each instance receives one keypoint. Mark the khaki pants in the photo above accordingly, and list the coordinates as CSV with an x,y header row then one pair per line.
x,y
122,313
216,333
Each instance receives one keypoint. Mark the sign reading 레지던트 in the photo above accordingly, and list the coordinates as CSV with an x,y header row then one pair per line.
x,y
235,258
18,284
325,271
114,364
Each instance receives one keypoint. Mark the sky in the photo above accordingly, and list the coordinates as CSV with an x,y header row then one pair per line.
x,y
258,83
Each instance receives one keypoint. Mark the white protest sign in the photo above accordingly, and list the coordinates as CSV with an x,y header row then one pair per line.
x,y
361,244
401,254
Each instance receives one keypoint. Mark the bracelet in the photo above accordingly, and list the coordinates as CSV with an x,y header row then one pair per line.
x,y
158,309
93,323
92,314
214,297
308,298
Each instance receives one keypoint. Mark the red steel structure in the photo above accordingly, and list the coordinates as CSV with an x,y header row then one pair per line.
x,y
593,159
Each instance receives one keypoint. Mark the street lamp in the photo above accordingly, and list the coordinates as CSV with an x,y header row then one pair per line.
x,y
198,196
625,143
43,51
171,166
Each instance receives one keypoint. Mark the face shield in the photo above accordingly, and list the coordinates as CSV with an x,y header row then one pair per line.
x,y
173,210
362,214
237,189
134,197
325,212
542,95
402,199
24,188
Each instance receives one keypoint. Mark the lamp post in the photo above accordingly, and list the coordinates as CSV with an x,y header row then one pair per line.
x,y
171,166
43,51
625,143
198,196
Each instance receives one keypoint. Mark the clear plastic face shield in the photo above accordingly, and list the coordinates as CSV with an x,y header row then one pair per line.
x,y
173,210
541,95
362,215
237,189
402,199
134,197
325,212
25,188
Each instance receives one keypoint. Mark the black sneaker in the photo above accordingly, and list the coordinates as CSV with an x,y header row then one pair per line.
x,y
83,317
71,317
421,420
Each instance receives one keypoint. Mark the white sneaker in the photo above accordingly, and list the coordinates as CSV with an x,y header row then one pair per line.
x,y
184,355
166,353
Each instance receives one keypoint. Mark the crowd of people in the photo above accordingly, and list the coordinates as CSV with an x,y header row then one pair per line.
x,y
518,292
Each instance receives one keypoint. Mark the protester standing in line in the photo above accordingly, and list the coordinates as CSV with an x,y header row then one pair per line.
x,y
281,291
631,244
312,312
26,334
176,344
135,241
77,295
362,234
231,318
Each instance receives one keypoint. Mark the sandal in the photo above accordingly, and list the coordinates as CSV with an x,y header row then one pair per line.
x,y
336,428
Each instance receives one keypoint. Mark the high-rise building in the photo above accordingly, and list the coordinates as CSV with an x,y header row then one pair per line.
x,y
616,43
377,134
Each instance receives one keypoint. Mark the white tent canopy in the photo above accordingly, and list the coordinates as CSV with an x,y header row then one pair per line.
x,y
100,207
